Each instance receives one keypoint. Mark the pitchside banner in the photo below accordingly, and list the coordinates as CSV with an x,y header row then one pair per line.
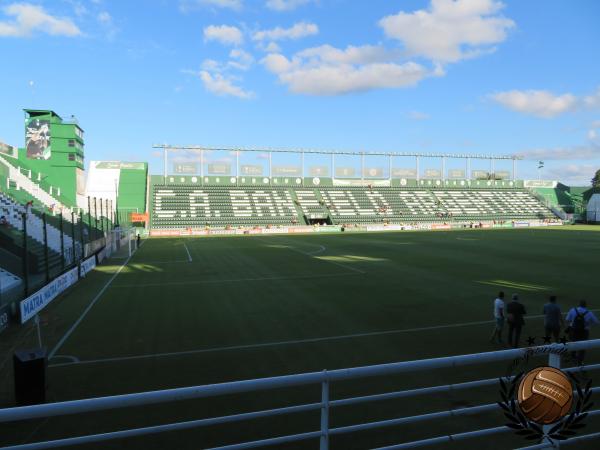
x,y
318,171
8,150
287,171
376,172
540,183
38,301
185,168
250,169
456,173
433,173
479,174
87,265
4,317
343,172
404,173
219,169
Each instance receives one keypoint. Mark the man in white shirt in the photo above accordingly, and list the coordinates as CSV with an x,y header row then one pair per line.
x,y
499,318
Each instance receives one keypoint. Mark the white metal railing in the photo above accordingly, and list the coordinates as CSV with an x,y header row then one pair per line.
x,y
324,378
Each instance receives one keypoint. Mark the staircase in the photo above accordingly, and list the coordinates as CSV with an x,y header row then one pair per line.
x,y
34,189
13,212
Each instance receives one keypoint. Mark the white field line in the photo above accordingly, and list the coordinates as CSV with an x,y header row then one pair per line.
x,y
188,253
283,343
322,249
84,313
236,280
179,261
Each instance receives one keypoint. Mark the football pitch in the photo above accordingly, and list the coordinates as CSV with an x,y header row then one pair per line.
x,y
194,311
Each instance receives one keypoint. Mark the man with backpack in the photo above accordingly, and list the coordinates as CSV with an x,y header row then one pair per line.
x,y
514,315
580,319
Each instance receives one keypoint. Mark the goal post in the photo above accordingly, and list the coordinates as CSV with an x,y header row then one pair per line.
x,y
119,242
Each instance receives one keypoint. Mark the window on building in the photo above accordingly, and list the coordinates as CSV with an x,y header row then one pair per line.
x,y
71,156
71,142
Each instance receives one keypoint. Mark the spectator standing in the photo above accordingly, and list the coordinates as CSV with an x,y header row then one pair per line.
x,y
499,318
580,319
514,316
553,320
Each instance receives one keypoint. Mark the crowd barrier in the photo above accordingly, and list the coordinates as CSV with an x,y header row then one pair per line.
x,y
341,228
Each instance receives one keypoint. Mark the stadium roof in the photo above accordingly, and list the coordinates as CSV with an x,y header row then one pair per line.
x,y
337,152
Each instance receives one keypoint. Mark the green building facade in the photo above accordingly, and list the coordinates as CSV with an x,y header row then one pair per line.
x,y
54,152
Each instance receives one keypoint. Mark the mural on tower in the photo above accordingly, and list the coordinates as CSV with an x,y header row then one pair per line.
x,y
37,139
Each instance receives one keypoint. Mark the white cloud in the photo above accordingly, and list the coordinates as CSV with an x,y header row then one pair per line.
x,y
221,85
592,101
327,70
106,21
591,151
418,115
272,47
546,104
189,5
593,134
104,18
211,65
29,19
572,173
449,30
285,5
297,31
78,8
240,59
537,103
224,34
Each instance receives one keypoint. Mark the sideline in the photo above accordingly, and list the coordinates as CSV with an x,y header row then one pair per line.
x,y
188,253
283,343
87,309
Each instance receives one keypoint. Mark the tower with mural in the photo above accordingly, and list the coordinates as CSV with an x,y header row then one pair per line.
x,y
54,152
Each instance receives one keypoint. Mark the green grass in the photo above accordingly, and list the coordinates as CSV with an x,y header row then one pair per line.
x,y
249,291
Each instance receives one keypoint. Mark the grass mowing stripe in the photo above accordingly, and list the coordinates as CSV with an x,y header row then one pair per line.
x,y
288,342
84,313
236,280
274,344
294,249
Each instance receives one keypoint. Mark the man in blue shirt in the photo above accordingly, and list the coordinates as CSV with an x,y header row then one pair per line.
x,y
553,321
580,319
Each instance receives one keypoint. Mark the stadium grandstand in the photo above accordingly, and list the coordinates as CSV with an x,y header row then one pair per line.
x,y
317,330
185,199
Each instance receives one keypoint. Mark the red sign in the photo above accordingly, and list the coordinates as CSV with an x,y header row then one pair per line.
x,y
138,217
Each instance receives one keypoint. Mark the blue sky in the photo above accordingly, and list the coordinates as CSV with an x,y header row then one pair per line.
x,y
467,76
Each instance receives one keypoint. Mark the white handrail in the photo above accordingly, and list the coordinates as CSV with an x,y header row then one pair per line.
x,y
325,378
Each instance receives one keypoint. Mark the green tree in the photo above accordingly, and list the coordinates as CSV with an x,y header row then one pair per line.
x,y
596,179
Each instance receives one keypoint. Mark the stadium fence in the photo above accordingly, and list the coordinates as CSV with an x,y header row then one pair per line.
x,y
324,379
